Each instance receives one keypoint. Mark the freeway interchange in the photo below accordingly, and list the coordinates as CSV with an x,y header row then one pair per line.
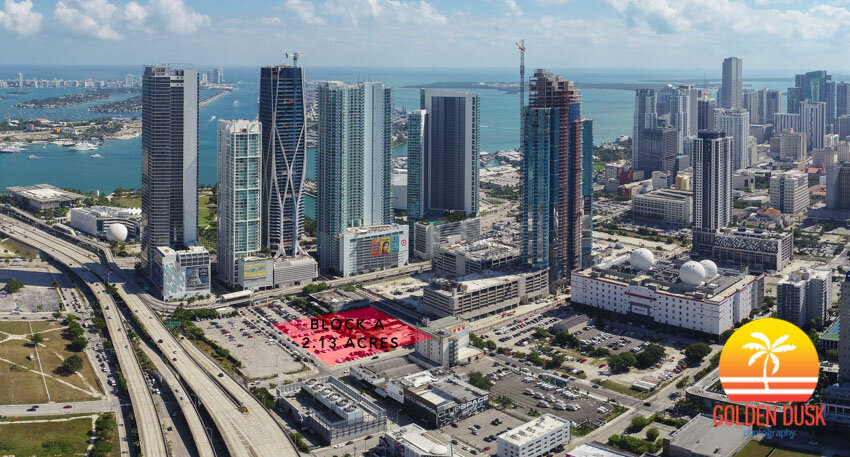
x,y
245,426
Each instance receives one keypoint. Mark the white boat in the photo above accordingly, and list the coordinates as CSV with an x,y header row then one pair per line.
x,y
33,156
96,156
85,146
9,148
63,142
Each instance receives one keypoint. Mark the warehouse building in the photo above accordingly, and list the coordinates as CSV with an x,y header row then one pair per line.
x,y
479,295
331,409
754,248
534,438
43,196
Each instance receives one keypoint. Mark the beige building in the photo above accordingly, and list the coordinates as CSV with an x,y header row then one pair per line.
x,y
789,192
665,205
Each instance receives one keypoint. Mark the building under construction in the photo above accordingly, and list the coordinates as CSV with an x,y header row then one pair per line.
x,y
552,151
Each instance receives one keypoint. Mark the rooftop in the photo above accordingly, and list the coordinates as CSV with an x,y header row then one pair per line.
x,y
483,249
530,431
702,437
668,194
44,193
110,211
475,281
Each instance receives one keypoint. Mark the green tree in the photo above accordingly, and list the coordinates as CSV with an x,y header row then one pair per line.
x,y
13,286
652,434
650,355
695,352
621,362
682,383
72,364
540,333
555,362
479,380
36,338
78,343
564,338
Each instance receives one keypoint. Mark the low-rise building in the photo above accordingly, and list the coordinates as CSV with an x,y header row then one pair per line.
x,y
670,206
448,344
179,274
804,296
696,296
429,234
757,249
479,295
701,437
43,196
295,271
414,441
459,259
534,438
96,220
438,397
331,409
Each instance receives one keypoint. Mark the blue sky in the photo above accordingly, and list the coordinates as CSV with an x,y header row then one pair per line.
x,y
677,34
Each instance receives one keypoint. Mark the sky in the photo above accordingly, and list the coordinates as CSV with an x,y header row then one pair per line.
x,y
672,34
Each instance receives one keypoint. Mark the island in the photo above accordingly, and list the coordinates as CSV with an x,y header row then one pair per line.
x,y
129,105
72,99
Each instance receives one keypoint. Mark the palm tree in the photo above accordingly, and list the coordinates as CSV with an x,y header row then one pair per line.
x,y
769,351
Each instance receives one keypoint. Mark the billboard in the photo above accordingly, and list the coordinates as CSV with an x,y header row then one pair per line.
x,y
384,246
197,276
255,270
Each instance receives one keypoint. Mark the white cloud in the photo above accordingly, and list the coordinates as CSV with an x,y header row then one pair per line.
x,y
19,17
387,12
513,7
103,20
304,10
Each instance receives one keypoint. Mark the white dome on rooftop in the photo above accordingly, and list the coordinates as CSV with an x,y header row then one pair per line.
x,y
642,259
692,273
116,232
710,268
439,449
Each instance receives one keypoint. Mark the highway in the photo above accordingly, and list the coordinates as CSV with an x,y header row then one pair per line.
x,y
245,425
151,440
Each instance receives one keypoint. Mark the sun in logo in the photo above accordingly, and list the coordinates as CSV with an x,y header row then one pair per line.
x,y
769,360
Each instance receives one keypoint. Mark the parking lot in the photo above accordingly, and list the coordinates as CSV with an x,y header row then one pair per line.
x,y
579,408
38,294
520,333
477,434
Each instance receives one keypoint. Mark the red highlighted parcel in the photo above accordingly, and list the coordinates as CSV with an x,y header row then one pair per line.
x,y
350,335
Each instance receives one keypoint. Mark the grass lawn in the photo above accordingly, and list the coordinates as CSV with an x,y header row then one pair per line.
x,y
205,208
55,438
626,390
23,327
20,387
788,453
598,166
51,361
11,248
754,449
221,361
128,202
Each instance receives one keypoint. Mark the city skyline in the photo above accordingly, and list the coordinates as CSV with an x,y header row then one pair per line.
x,y
666,32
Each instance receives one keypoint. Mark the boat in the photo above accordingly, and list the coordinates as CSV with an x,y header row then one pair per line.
x,y
63,142
96,156
85,146
33,156
10,148
212,119
235,102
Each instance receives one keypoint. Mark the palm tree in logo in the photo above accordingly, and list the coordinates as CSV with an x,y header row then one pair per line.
x,y
769,352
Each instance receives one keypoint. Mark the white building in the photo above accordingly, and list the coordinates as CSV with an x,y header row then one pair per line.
x,y
479,295
448,344
813,123
691,295
96,220
803,296
370,248
181,274
414,441
789,192
669,206
736,124
534,438
429,234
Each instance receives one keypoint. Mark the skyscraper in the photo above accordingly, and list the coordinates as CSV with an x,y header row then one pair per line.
x,y
814,86
451,150
844,331
646,117
415,167
552,155
770,103
842,102
705,114
712,162
239,195
354,162
169,159
660,148
284,150
587,193
731,89
813,123
838,186
736,124
219,76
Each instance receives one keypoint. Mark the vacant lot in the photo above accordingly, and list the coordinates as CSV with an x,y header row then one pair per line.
x,y
55,437
11,248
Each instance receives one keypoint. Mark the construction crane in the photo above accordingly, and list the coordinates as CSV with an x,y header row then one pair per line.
x,y
295,55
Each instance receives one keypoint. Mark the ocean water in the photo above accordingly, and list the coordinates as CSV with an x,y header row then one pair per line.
x,y
120,165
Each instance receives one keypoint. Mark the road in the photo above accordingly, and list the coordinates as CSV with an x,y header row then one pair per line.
x,y
151,440
245,425
54,409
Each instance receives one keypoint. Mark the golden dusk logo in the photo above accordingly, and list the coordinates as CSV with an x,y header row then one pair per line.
x,y
769,360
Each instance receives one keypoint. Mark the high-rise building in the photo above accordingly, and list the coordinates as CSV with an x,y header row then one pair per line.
x,y
804,296
450,152
842,127
679,118
736,124
239,195
219,76
552,155
646,117
712,161
731,89
838,186
587,193
814,86
789,192
353,166
813,123
842,99
415,168
787,121
693,96
844,331
770,103
705,114
284,148
660,147
789,146
20,80
169,159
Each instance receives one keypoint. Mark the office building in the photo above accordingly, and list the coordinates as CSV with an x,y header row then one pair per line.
x,y
813,123
646,117
804,296
788,146
702,437
844,331
552,155
712,184
770,103
534,438
452,260
448,158
787,121
659,148
736,124
284,150
437,397
239,196
814,86
681,293
587,193
413,441
428,235
838,187
789,192
40,197
842,99
180,274
683,181
447,344
668,206
219,76
353,165
842,127
705,114
824,158
480,295
332,410
169,160
416,121
97,220
731,89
